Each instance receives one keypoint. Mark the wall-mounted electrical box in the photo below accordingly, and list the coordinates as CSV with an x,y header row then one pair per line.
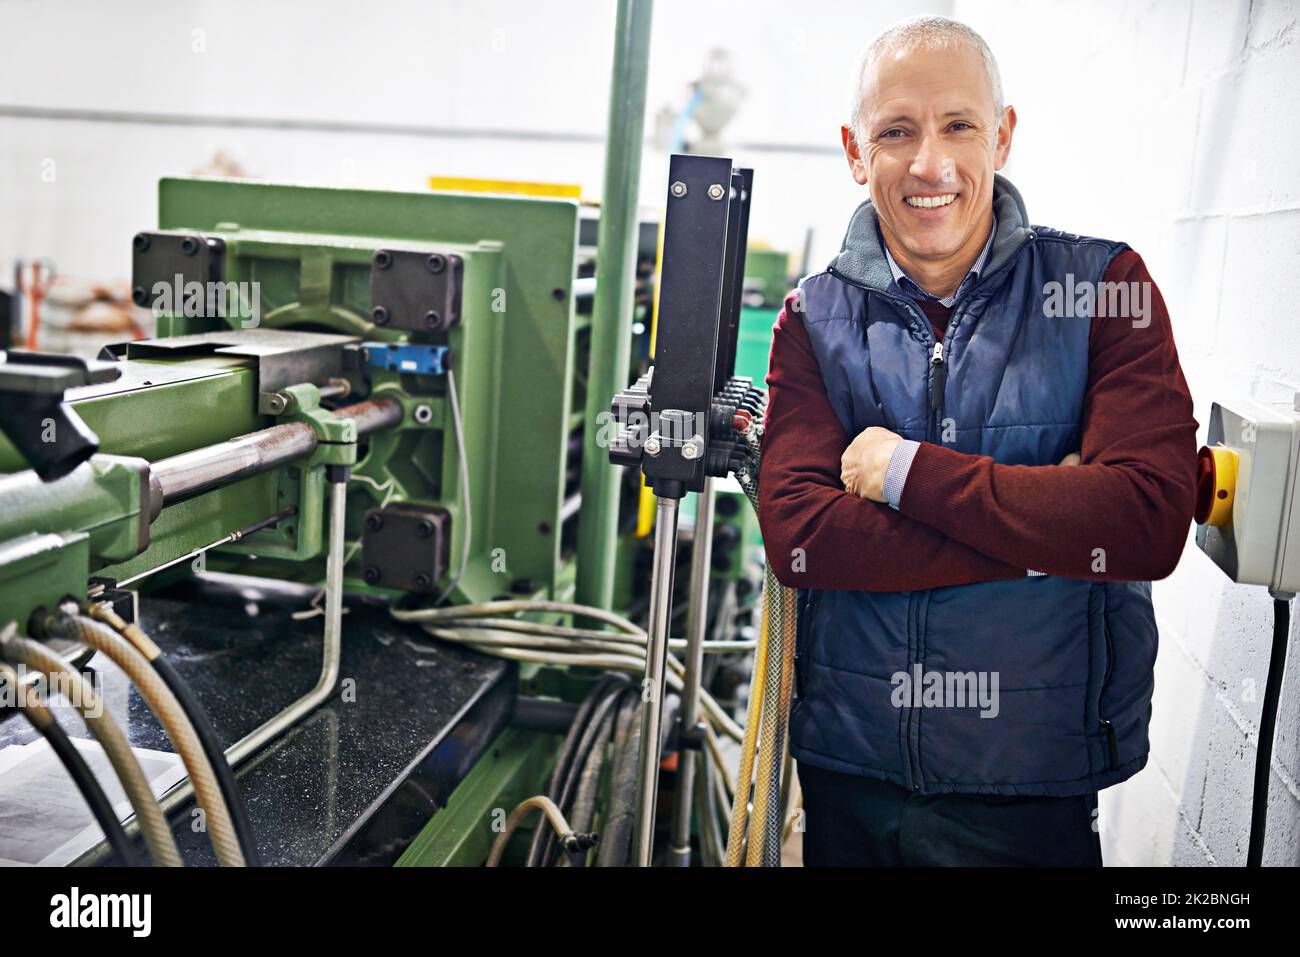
x,y
1246,511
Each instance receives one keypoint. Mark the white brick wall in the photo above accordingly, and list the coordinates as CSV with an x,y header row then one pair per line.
x,y
1171,126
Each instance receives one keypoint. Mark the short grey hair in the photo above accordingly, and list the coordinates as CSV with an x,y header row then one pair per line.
x,y
928,33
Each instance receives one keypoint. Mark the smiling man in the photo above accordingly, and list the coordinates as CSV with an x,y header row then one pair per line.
x,y
972,482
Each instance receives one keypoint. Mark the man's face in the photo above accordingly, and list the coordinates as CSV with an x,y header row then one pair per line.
x,y
930,144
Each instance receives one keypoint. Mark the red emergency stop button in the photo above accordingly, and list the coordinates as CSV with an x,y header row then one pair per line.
x,y
1216,485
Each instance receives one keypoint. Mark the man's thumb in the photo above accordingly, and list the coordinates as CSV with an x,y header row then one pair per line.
x,y
1071,459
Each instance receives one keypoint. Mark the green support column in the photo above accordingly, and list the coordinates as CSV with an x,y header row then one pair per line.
x,y
611,333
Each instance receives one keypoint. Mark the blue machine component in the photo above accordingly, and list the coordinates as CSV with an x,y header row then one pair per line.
x,y
404,357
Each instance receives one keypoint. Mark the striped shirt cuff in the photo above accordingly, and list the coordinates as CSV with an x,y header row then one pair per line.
x,y
896,475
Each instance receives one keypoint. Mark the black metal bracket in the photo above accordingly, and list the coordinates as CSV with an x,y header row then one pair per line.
x,y
405,547
415,291
184,263
678,422
34,416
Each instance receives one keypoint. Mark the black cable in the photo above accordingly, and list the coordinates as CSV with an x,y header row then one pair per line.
x,y
216,757
565,757
596,731
1267,725
89,787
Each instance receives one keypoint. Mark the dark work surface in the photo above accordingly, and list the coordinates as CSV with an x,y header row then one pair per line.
x,y
355,781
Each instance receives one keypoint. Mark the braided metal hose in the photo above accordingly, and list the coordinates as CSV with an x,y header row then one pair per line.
x,y
740,806
153,824
773,683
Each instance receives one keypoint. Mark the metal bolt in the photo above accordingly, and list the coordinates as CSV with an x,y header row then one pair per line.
x,y
276,403
139,296
424,529
423,414
716,191
141,242
383,259
652,445
374,521
691,450
189,245
423,582
432,319
679,189
436,262
371,574
379,315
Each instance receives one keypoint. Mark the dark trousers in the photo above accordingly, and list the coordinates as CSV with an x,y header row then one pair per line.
x,y
854,821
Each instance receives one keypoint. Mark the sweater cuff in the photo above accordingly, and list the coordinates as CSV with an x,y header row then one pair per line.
x,y
900,463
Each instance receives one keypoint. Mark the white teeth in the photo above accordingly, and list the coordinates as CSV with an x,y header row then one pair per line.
x,y
928,202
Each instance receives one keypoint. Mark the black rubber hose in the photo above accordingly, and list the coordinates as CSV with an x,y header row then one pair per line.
x,y
592,733
216,757
94,795
620,814
583,813
565,758
1267,725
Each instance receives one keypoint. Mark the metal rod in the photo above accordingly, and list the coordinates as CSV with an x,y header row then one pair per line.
x,y
653,687
679,854
611,329
224,540
188,474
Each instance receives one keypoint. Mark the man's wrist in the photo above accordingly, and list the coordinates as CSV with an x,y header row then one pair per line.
x,y
900,462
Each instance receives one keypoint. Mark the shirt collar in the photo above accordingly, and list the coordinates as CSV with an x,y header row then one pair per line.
x,y
909,286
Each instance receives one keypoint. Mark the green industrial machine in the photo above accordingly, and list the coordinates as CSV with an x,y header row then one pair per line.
x,y
349,304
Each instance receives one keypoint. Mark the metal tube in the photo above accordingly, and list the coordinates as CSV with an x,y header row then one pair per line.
x,y
611,323
188,474
679,854
653,687
192,473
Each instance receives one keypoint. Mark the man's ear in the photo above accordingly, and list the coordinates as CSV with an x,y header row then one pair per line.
x,y
1002,146
857,167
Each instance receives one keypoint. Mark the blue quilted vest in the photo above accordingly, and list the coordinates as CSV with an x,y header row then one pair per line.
x,y
1073,658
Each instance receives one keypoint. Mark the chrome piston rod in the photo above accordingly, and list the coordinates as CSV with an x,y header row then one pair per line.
x,y
653,687
689,763
188,474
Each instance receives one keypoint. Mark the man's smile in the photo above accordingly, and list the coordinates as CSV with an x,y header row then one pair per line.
x,y
937,201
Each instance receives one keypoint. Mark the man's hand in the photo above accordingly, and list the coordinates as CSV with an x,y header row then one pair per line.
x,y
865,461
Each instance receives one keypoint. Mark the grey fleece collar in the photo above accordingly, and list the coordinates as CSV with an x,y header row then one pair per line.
x,y
861,258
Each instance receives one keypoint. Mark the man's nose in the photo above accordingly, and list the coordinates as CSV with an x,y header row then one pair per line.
x,y
929,162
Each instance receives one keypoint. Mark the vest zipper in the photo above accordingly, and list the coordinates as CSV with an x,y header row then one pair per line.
x,y
1112,740
913,781
940,376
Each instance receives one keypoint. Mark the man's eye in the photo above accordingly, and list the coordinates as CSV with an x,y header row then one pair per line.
x,y
891,134
962,125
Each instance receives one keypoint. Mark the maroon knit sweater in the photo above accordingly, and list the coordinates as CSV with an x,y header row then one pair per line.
x,y
964,518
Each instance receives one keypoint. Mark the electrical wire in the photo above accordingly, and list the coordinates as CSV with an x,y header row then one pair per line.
x,y
1267,726
173,718
153,823
212,748
467,512
43,721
